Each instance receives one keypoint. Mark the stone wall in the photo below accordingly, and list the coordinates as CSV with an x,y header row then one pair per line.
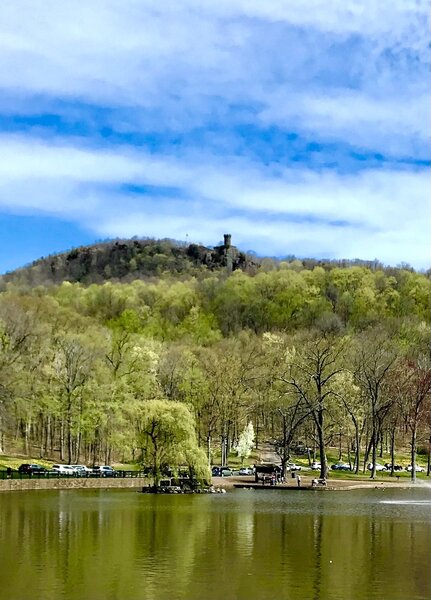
x,y
11,485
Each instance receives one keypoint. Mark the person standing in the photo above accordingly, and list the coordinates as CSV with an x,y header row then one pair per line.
x,y
298,479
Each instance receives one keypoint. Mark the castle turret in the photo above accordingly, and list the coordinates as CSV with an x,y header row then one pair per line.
x,y
227,254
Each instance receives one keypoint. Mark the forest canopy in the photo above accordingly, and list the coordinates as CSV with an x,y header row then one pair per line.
x,y
296,351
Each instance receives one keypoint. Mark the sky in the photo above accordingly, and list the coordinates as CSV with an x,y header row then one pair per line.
x,y
301,127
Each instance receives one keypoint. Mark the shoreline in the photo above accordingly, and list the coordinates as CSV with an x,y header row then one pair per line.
x,y
237,482
226,483
72,483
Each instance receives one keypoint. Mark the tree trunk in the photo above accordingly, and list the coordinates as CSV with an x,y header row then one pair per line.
x,y
224,450
413,451
69,445
42,437
78,448
62,440
357,448
26,438
285,453
429,457
392,442
47,434
209,448
373,452
367,453
322,449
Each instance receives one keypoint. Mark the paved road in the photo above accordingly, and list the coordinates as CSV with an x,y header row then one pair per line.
x,y
266,454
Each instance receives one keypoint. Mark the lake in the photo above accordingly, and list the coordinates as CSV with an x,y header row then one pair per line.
x,y
248,545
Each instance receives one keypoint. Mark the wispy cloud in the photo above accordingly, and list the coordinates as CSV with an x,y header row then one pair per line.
x,y
303,127
268,208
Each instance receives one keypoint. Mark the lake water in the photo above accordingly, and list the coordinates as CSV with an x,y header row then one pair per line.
x,y
248,545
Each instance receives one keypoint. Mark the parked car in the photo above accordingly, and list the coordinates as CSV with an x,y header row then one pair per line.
x,y
396,467
63,470
246,471
300,449
217,471
341,466
293,467
418,469
31,469
316,466
82,470
105,471
379,467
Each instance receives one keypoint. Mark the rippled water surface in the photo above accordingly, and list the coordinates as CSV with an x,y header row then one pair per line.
x,y
275,545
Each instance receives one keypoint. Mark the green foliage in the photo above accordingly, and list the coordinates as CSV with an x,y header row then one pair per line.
x,y
79,362
166,433
122,260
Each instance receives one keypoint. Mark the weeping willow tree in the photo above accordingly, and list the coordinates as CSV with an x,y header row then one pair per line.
x,y
167,436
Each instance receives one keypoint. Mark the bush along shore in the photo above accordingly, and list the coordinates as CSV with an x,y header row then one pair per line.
x,y
182,486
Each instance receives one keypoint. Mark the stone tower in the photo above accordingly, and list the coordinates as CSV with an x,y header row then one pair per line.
x,y
227,255
228,252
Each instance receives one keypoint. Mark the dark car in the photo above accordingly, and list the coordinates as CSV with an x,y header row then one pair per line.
x,y
31,469
396,467
105,471
341,466
221,472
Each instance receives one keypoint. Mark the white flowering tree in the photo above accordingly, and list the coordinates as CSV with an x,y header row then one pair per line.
x,y
245,442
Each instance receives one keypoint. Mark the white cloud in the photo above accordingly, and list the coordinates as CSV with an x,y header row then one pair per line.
x,y
387,124
384,213
182,59
352,73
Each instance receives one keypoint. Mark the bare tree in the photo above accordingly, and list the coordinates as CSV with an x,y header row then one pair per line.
x,y
375,358
312,376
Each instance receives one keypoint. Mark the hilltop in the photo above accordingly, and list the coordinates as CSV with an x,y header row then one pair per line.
x,y
125,260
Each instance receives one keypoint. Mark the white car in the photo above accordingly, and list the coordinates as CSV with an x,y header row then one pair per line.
x,y
63,470
81,470
378,467
293,467
418,469
246,471
316,466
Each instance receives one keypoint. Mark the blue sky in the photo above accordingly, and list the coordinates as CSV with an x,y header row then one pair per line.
x,y
299,126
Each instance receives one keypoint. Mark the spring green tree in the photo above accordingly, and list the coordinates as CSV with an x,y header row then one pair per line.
x,y
167,435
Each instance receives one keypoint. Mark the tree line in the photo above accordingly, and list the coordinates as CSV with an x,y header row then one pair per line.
x,y
330,357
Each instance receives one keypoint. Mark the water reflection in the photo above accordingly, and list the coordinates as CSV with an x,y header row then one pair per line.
x,y
252,545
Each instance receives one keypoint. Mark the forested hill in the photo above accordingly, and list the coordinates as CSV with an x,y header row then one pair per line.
x,y
79,361
126,260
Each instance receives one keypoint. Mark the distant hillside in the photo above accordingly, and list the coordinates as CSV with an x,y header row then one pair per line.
x,y
126,260
129,259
